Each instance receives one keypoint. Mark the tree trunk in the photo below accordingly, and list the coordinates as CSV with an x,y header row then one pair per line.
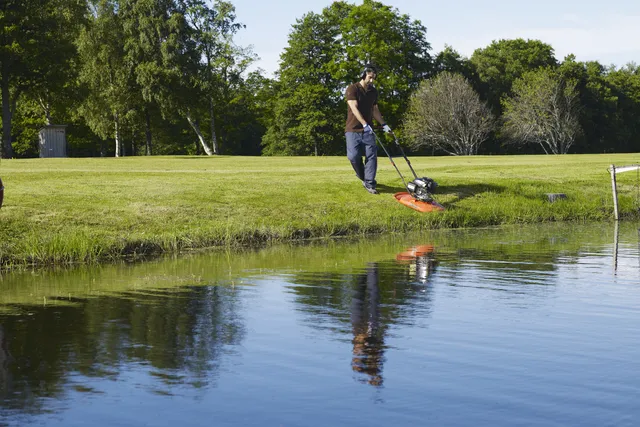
x,y
196,128
6,150
47,110
147,131
214,139
117,134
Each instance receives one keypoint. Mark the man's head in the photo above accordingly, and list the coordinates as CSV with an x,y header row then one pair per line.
x,y
369,73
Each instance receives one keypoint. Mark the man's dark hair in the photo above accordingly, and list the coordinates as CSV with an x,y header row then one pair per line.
x,y
369,68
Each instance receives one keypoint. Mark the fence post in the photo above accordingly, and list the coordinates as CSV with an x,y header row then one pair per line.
x,y
615,192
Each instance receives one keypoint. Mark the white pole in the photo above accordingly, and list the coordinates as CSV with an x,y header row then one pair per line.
x,y
615,247
615,192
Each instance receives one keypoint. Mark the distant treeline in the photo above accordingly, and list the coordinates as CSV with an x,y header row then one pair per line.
x,y
143,77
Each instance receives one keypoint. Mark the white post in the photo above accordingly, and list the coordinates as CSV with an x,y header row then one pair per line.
x,y
615,246
615,192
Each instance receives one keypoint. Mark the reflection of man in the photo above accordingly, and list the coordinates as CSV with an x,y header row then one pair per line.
x,y
368,334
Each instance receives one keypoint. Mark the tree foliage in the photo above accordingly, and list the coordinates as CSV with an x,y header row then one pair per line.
x,y
107,73
502,62
165,76
446,114
36,49
543,110
326,53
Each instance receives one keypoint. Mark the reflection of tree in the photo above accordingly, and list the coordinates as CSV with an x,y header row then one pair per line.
x,y
5,358
181,335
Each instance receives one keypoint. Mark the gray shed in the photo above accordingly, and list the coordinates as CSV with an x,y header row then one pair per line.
x,y
53,141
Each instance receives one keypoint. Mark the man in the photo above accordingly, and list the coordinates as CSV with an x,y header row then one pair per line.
x,y
362,101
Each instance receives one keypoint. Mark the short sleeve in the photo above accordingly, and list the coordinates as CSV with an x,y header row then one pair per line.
x,y
352,93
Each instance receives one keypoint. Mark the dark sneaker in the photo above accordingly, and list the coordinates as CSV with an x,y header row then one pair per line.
x,y
370,189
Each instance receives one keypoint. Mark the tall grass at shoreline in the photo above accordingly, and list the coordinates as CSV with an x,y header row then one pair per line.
x,y
62,211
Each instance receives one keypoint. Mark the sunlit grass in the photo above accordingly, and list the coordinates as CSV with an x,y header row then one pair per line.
x,y
62,211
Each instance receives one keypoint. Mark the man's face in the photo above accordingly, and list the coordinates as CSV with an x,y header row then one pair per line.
x,y
369,78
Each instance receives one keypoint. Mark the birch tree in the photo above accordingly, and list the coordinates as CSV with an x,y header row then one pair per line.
x,y
161,43
544,110
107,74
446,114
214,29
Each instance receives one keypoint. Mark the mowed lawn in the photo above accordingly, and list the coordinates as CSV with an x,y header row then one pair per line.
x,y
93,209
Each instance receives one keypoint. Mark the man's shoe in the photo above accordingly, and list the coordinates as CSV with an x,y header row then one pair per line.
x,y
370,189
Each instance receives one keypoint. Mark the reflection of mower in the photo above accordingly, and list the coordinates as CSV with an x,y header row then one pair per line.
x,y
420,260
419,195
1,192
414,252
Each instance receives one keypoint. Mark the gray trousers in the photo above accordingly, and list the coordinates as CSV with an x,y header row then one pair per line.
x,y
360,144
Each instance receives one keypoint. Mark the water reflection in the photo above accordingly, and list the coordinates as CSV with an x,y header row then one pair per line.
x,y
5,359
368,327
421,261
337,322
177,337
368,333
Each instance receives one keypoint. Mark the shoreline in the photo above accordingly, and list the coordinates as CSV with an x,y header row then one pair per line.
x,y
90,211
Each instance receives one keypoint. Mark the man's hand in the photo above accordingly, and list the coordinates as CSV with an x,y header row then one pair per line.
x,y
386,128
368,130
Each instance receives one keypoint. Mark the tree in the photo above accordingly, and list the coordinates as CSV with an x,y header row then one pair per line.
x,y
326,53
36,44
446,113
214,29
106,72
502,62
450,60
625,84
160,41
307,118
598,100
544,109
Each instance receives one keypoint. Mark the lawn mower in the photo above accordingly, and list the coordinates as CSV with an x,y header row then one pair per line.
x,y
419,194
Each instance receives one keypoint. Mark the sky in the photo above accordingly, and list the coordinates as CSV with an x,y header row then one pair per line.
x,y
606,31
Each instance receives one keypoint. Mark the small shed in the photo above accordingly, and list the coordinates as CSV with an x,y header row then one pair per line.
x,y
53,141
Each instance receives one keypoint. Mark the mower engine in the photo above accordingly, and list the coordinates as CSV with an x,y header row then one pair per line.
x,y
422,188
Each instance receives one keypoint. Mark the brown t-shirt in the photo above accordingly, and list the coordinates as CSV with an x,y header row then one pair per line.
x,y
366,100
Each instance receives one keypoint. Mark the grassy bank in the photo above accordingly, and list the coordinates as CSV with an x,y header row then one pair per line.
x,y
59,211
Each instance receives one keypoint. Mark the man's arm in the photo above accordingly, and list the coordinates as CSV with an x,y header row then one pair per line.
x,y
353,104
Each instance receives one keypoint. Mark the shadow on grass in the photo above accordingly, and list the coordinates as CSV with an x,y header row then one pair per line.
x,y
460,192
385,189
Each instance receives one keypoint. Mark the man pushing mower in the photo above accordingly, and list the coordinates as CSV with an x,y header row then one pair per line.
x,y
362,101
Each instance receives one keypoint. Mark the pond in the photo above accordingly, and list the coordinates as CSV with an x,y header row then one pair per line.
x,y
516,326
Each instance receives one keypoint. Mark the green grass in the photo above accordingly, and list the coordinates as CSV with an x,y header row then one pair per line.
x,y
63,211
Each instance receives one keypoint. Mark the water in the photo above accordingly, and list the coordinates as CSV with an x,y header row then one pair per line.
x,y
521,326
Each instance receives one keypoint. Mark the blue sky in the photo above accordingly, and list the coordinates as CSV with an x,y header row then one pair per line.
x,y
606,31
